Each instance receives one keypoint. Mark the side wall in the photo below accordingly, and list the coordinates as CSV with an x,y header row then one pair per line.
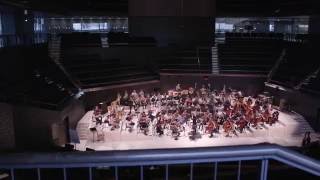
x,y
33,126
304,104
181,31
7,134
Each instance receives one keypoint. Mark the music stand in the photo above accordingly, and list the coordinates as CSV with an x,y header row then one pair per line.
x,y
93,130
74,138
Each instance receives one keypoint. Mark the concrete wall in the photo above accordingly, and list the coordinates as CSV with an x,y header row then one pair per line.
x,y
305,104
181,31
74,111
199,8
7,134
33,126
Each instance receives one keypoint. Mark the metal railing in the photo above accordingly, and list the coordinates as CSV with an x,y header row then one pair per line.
x,y
140,158
277,64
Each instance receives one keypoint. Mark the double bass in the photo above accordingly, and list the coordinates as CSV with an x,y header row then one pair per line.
x,y
228,127
212,127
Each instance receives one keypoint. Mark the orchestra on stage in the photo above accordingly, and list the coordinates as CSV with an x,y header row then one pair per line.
x,y
187,111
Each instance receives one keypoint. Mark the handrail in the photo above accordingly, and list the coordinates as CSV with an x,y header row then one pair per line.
x,y
275,67
160,156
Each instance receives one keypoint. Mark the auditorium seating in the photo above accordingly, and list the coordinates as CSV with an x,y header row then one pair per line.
x,y
188,61
238,36
124,39
299,62
41,84
313,86
248,54
80,40
93,71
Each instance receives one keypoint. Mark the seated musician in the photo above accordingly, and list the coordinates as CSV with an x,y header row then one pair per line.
x,y
159,128
129,122
143,123
153,100
125,99
212,127
178,87
241,124
203,90
228,127
175,128
97,111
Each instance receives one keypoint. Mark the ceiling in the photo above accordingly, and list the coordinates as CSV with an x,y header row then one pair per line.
x,y
267,7
73,6
224,7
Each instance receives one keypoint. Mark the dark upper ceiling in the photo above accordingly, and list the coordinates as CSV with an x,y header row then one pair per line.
x,y
224,7
267,7
73,6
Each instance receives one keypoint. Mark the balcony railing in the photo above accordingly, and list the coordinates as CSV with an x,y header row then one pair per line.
x,y
165,157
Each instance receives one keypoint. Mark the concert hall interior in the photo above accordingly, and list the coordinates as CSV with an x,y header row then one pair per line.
x,y
159,89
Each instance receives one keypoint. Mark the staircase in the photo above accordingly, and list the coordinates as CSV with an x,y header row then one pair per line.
x,y
104,42
307,80
54,48
215,60
277,64
303,127
83,130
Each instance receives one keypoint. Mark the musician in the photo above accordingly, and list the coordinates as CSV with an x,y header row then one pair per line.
x,y
212,127
129,122
141,93
97,111
228,127
159,128
153,100
178,87
144,123
202,108
125,99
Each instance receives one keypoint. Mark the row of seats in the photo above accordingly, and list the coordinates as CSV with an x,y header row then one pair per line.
x,y
299,61
235,35
80,40
188,61
124,39
42,83
249,56
313,85
93,71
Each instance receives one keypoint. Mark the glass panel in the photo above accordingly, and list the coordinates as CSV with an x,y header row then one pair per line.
x,y
227,170
278,170
154,172
131,173
22,174
250,170
51,174
105,173
78,173
203,171
181,171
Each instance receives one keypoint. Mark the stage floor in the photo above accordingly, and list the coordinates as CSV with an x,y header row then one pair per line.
x,y
287,132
